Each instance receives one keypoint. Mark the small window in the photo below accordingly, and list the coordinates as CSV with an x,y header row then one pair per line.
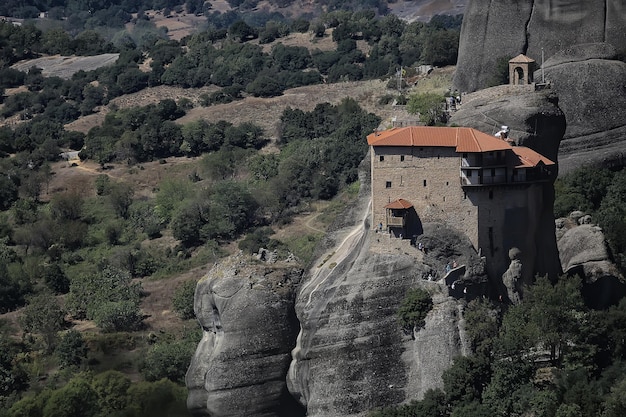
x,y
424,183
388,184
490,195
447,183
465,197
401,158
382,158
493,172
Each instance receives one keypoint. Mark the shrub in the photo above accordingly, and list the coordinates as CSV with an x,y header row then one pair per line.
x,y
183,298
117,316
167,360
71,350
414,308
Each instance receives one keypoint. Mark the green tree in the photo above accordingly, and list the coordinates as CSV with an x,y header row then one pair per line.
x,y
167,360
112,389
121,197
414,308
108,284
465,380
71,349
43,315
118,316
55,279
13,378
183,300
429,106
76,398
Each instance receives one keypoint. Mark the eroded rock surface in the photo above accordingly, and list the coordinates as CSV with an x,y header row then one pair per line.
x,y
246,310
589,83
583,251
580,65
495,30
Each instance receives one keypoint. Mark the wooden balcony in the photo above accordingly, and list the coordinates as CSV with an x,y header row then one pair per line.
x,y
395,221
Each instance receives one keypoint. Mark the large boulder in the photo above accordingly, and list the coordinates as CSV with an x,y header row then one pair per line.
x,y
246,310
583,251
590,85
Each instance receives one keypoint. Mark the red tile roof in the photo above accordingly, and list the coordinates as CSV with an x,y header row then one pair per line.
x,y
529,158
463,139
399,204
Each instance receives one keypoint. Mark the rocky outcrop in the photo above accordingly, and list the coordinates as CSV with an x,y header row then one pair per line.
x,y
589,84
496,30
246,310
352,355
535,121
580,65
583,251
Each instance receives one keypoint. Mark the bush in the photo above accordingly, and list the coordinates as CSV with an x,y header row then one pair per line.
x,y
118,316
71,350
167,360
414,308
183,299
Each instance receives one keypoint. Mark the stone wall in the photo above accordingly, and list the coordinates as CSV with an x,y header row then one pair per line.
x,y
427,177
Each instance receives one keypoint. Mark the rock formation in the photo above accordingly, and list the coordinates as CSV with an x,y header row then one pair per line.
x,y
513,276
350,354
249,327
580,64
583,250
495,30
589,83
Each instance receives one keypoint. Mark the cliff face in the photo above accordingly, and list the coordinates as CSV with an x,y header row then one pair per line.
x,y
579,40
249,326
502,29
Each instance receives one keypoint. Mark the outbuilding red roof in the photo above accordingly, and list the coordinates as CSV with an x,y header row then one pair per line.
x,y
399,204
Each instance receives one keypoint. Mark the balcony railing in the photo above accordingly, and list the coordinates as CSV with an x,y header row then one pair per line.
x,y
395,221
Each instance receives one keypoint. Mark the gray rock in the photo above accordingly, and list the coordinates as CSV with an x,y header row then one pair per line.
x,y
583,249
592,96
512,278
352,356
247,316
501,30
579,64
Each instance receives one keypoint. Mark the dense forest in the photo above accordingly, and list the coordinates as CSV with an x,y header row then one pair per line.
x,y
84,254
